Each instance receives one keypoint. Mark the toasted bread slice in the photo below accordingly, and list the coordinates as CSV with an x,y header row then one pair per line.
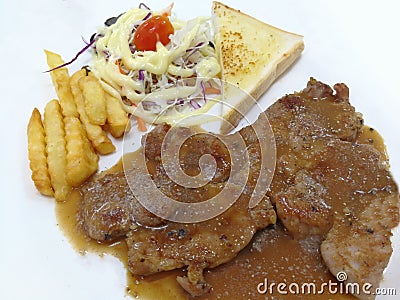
x,y
253,54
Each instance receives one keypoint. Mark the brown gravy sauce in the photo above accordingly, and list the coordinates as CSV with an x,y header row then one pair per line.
x,y
271,258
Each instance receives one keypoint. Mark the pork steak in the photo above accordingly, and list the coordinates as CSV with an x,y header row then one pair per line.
x,y
326,184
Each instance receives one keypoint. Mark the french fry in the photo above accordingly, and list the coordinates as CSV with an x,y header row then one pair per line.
x,y
117,118
82,161
95,102
95,133
37,154
60,78
55,148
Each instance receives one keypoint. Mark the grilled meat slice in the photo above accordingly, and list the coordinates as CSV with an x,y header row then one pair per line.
x,y
197,245
360,246
328,184
339,177
303,124
366,208
316,112
108,208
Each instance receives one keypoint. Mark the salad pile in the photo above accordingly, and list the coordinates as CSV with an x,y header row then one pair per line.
x,y
157,65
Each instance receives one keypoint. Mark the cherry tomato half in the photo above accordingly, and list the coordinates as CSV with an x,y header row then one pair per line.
x,y
157,28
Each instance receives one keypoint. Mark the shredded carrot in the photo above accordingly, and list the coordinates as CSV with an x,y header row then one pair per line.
x,y
141,123
212,90
117,62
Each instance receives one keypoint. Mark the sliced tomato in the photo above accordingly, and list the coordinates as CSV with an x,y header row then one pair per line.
x,y
157,28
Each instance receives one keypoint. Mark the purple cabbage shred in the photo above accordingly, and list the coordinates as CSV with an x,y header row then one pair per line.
x,y
92,41
147,16
179,101
147,105
195,104
143,6
141,75
193,50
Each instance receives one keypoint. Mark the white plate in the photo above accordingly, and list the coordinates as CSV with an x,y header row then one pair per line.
x,y
355,42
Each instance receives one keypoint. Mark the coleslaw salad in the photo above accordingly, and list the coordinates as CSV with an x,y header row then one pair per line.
x,y
166,85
